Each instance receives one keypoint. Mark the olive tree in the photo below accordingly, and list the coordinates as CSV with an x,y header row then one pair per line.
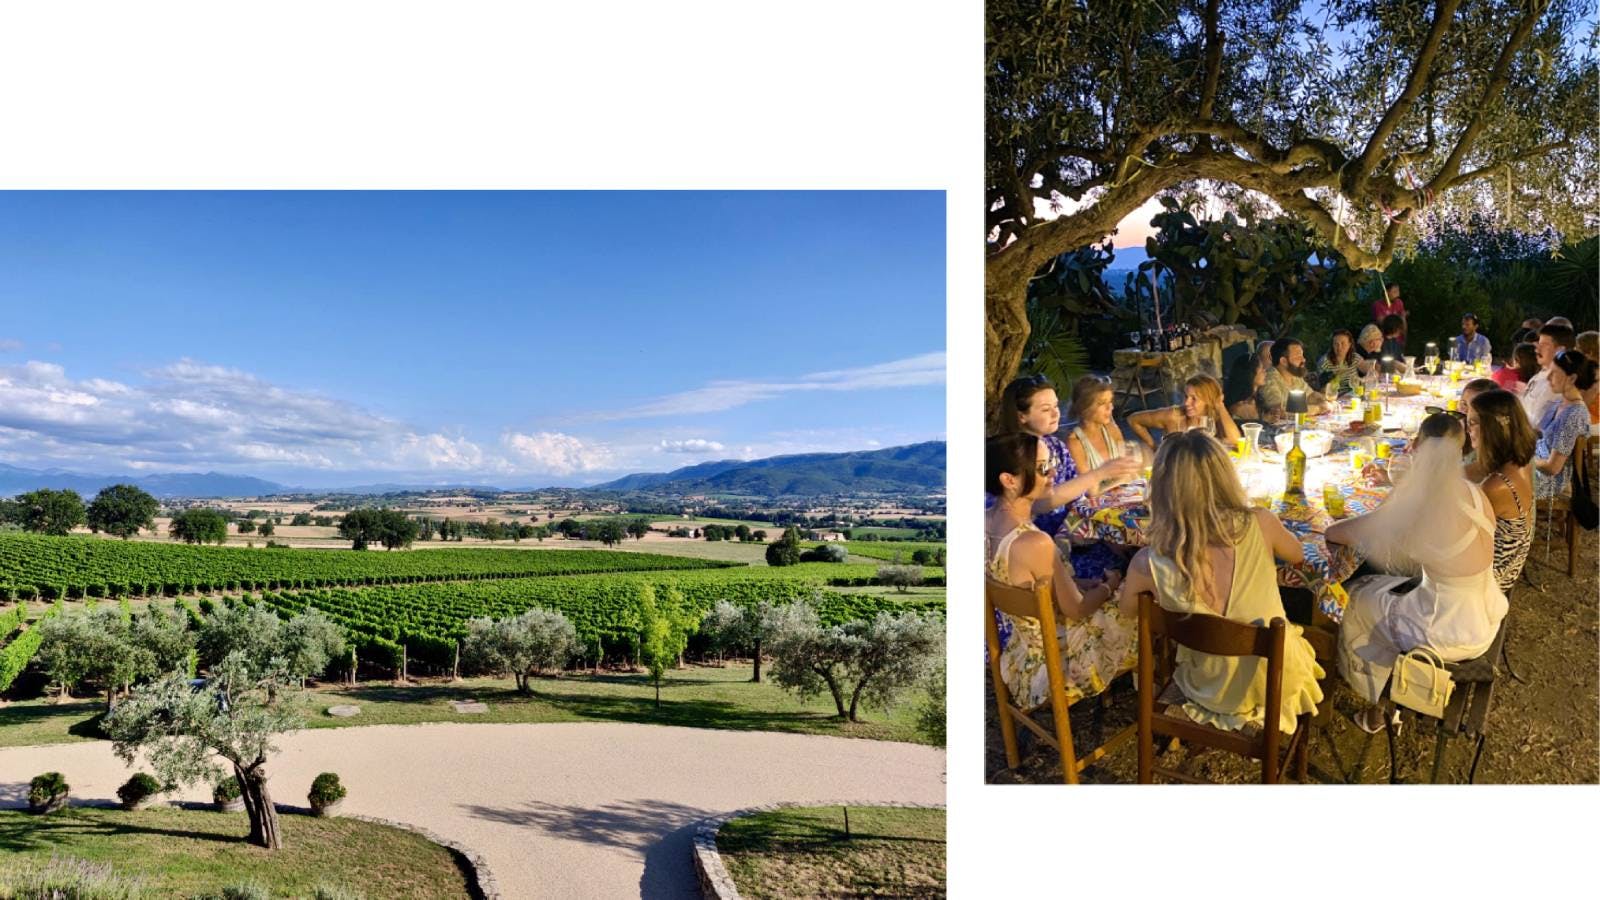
x,y
301,648
180,730
523,646
107,647
1361,118
729,626
865,662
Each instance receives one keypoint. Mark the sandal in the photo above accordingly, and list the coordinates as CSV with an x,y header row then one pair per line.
x,y
1362,720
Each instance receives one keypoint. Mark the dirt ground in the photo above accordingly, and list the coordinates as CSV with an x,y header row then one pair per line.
x,y
1542,731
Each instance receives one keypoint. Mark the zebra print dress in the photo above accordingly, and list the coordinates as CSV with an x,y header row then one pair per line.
x,y
1512,539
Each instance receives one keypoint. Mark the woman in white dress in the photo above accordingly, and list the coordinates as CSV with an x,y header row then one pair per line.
x,y
1096,439
1435,522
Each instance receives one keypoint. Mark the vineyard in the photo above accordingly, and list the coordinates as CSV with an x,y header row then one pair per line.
x,y
427,620
74,567
411,608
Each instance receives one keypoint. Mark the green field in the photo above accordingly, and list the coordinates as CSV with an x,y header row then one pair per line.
x,y
888,550
703,696
35,565
805,852
166,852
884,532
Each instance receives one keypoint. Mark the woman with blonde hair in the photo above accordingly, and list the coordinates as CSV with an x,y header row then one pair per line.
x,y
1211,553
1095,634
1096,438
1202,401
1435,522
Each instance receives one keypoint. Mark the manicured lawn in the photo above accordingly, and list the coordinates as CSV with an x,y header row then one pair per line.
x,y
805,853
697,696
180,853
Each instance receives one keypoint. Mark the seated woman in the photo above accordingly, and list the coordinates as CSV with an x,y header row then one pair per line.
x,y
1564,422
1369,349
1469,392
1499,429
1211,553
1202,399
1435,521
1245,377
1519,369
1029,406
1096,438
1096,636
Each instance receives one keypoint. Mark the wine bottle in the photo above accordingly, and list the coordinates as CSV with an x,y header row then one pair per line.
x,y
1294,463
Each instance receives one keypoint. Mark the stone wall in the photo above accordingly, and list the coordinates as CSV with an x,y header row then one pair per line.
x,y
1173,369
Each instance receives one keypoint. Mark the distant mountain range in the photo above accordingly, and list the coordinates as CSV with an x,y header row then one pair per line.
x,y
181,484
918,468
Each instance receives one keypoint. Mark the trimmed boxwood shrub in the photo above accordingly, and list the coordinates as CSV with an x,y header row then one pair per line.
x,y
48,792
141,786
326,790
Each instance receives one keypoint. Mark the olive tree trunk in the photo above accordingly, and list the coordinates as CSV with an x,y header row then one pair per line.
x,y
264,831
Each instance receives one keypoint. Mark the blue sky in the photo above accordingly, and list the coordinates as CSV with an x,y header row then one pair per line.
x,y
511,338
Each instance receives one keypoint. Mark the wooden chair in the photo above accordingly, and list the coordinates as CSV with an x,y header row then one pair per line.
x,y
1159,631
1039,605
1130,382
1561,506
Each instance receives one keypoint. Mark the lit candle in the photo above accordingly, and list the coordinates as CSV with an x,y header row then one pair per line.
x,y
1297,402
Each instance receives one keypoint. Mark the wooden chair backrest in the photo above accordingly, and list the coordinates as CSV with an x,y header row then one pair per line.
x,y
1206,633
1036,602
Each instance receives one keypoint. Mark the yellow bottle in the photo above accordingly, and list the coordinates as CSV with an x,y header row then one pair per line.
x,y
1294,464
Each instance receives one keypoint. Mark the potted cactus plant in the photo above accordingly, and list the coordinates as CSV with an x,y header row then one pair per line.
x,y
326,795
47,793
227,796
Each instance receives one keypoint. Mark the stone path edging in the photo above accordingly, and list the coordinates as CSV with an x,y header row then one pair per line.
x,y
715,882
483,882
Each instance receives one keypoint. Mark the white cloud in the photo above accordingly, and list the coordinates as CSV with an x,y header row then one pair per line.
x,y
916,371
557,453
190,415
693,445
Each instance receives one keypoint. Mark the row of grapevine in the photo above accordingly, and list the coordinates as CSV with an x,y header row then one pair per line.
x,y
890,551
15,655
75,567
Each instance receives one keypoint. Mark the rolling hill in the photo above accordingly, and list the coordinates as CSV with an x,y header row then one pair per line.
x,y
918,468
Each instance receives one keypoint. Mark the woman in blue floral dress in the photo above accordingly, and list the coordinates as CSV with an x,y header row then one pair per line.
x,y
1564,422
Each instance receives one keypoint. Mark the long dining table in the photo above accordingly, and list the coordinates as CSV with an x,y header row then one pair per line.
x,y
1121,514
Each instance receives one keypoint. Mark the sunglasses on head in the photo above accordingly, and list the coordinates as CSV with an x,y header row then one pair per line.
x,y
1435,410
1569,358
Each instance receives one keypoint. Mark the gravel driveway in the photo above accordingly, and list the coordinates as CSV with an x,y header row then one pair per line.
x,y
570,810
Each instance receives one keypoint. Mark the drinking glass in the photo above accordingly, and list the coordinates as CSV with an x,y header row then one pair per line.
x,y
1252,434
1399,468
1203,423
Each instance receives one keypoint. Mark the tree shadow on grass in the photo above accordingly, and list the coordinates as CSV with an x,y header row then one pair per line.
x,y
691,713
22,716
33,832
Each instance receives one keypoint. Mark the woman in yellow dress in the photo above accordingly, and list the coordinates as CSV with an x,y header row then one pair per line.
x,y
1095,634
1211,553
